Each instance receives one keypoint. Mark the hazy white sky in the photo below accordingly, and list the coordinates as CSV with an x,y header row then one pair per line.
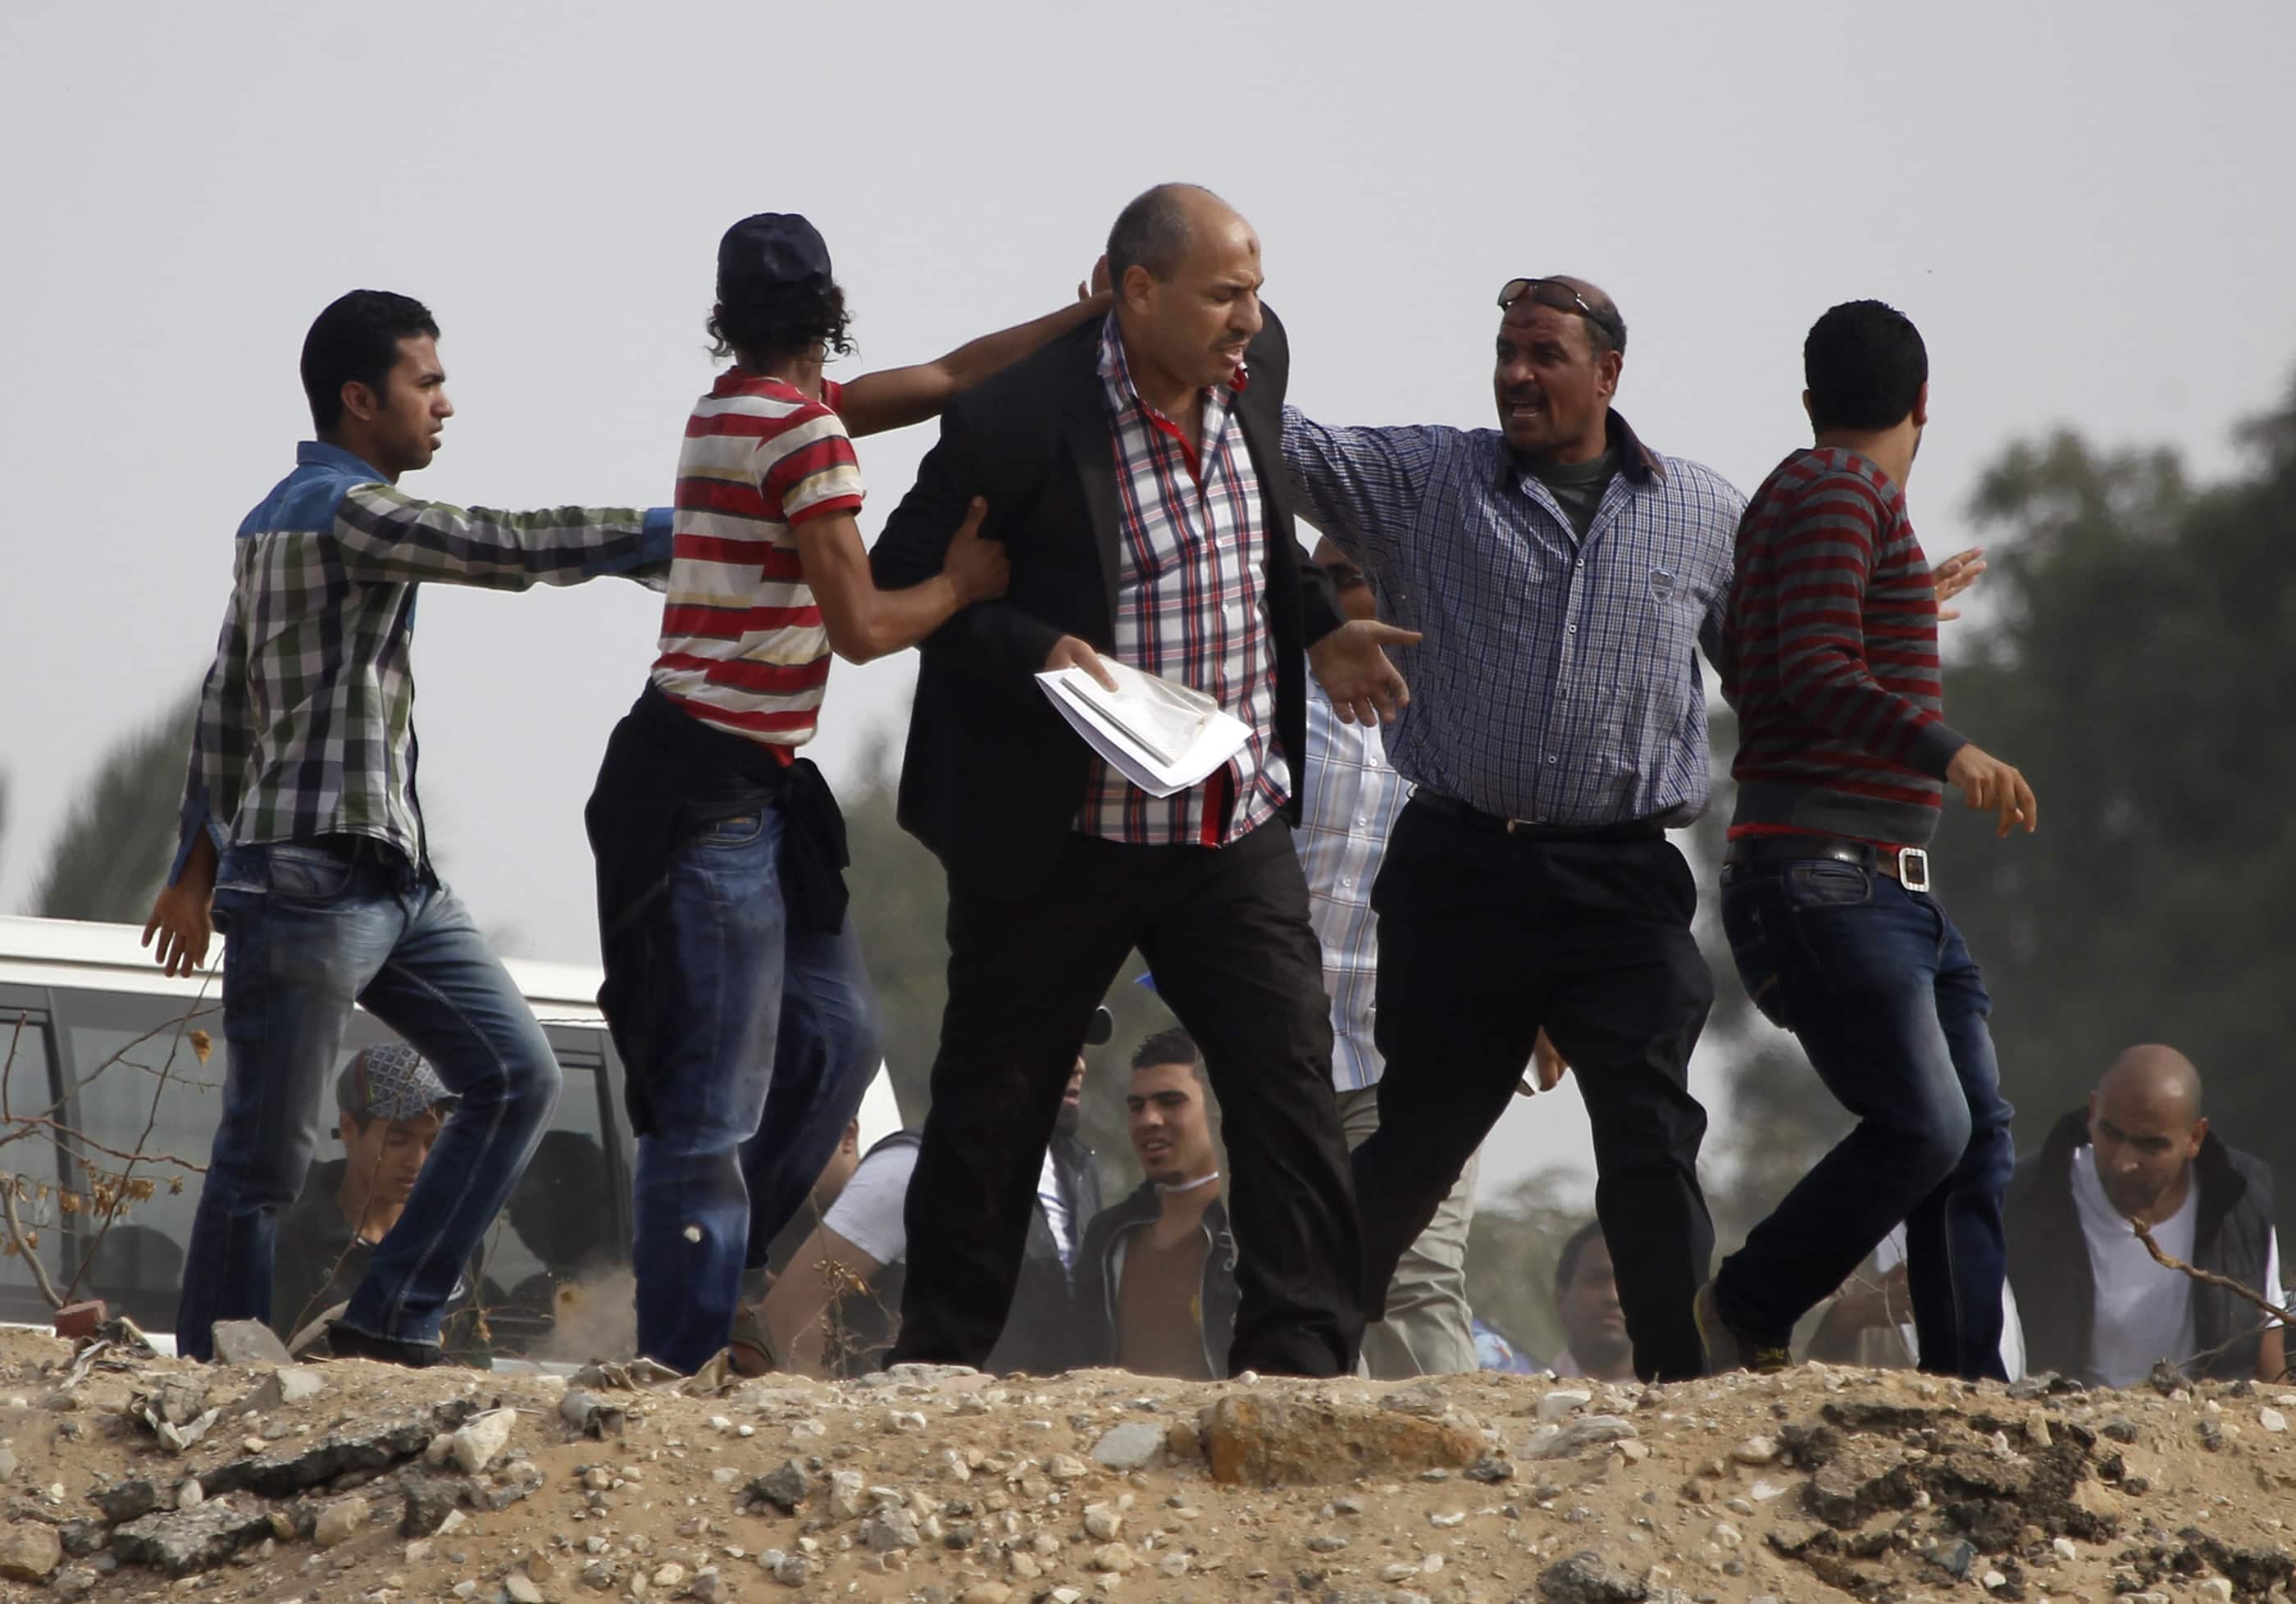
x,y
2084,209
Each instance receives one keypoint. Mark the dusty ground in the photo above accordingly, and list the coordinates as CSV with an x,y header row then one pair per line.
x,y
954,1489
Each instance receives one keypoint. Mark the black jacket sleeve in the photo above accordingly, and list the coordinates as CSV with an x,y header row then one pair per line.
x,y
994,639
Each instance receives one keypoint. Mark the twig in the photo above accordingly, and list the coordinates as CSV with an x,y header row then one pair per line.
x,y
25,1250
36,1122
2245,1334
2169,1261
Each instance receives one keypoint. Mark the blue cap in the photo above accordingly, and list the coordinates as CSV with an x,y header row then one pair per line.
x,y
769,251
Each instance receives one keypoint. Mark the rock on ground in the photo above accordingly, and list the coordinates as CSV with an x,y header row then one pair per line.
x,y
482,1437
29,1551
1275,1440
1130,1446
248,1342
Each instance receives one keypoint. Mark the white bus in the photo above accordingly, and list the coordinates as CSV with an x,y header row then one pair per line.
x,y
125,1061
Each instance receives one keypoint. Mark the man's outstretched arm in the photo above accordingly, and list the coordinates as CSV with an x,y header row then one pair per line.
x,y
1362,487
383,534
897,397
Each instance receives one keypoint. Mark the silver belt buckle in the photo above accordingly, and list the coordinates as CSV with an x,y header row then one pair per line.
x,y
1913,868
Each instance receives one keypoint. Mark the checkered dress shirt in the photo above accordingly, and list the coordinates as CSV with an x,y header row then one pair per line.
x,y
1189,608
307,721
1558,681
1349,804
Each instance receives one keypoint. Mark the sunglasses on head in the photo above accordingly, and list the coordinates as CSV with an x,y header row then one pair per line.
x,y
1554,293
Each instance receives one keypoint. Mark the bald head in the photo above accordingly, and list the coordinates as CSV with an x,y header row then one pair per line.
x,y
1155,229
1185,270
2158,1079
2145,1122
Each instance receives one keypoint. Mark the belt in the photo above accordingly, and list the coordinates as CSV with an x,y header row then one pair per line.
x,y
1909,867
1631,830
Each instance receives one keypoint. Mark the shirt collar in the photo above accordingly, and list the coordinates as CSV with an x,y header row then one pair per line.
x,y
318,454
1637,461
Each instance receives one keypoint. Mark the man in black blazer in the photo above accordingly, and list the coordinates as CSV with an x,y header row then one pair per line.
x,y
1134,472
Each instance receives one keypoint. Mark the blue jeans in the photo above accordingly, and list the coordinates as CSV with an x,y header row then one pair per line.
x,y
764,1045
1888,1005
310,928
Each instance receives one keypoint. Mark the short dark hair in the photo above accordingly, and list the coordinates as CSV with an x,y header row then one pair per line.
x,y
1172,1047
783,319
1864,365
1566,1263
356,338
1152,232
1606,330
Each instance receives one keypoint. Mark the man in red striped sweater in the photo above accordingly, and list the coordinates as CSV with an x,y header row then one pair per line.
x,y
734,984
1831,664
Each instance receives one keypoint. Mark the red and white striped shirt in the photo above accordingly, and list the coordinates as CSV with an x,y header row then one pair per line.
x,y
743,646
1189,606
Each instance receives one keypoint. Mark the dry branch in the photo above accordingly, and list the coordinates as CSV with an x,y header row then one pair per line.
x,y
2169,1261
26,1247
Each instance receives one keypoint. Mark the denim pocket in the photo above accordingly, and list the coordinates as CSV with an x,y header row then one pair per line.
x,y
737,831
1750,950
313,874
241,869
1828,884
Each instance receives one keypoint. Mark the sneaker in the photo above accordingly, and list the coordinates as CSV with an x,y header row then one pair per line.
x,y
348,1342
1726,1348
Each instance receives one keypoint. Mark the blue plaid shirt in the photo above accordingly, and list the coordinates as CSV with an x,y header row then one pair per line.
x,y
1558,681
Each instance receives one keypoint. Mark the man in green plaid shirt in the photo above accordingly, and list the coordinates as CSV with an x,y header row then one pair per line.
x,y
303,838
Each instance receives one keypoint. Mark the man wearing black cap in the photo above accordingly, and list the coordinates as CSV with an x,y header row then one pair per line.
x,y
734,985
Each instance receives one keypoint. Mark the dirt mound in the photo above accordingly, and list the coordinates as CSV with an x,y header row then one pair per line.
x,y
129,1477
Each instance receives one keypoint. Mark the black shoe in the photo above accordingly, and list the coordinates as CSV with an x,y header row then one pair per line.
x,y
1726,1348
348,1342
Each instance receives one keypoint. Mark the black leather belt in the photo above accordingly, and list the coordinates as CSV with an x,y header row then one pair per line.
x,y
1632,829
1909,867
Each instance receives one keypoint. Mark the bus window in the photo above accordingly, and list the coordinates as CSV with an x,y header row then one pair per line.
x,y
31,1167
561,1234
146,1076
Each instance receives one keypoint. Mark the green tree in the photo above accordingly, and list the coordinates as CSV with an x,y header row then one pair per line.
x,y
2140,671
112,854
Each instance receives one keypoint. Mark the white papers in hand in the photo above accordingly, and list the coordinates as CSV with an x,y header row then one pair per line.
x,y
1161,736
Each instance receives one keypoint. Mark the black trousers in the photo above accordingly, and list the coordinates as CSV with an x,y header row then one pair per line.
x,y
1484,938
1226,933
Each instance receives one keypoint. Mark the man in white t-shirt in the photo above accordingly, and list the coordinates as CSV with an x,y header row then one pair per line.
x,y
834,1309
2097,1304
